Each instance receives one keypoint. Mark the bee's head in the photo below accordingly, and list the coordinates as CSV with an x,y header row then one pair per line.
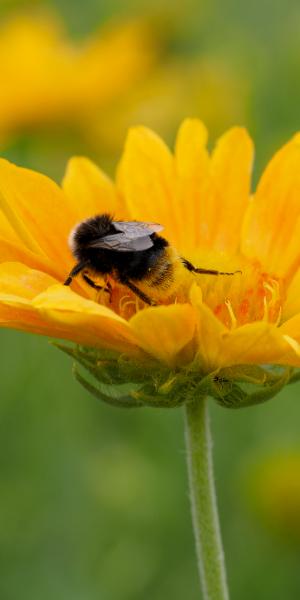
x,y
88,231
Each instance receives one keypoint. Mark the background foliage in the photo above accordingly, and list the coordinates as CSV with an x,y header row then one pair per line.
x,y
93,501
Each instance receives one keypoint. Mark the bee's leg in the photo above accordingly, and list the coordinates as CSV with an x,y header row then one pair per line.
x,y
75,271
94,285
190,267
108,289
138,292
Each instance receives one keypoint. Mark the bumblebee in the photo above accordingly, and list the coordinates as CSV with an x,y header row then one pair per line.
x,y
132,254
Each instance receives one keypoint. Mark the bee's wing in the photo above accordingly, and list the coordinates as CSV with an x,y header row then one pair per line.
x,y
134,236
121,243
136,229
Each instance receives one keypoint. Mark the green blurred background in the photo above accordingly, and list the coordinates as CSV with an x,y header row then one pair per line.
x,y
93,501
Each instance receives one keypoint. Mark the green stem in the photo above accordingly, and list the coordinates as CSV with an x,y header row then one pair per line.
x,y
203,501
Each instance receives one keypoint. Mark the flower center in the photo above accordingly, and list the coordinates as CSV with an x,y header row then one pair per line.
x,y
254,295
247,296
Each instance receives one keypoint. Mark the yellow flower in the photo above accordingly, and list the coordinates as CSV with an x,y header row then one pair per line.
x,y
47,78
201,86
208,214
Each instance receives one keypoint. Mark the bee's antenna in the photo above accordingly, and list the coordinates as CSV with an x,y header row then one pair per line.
x,y
75,271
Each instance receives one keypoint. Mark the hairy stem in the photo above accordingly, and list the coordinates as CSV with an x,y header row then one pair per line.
x,y
203,501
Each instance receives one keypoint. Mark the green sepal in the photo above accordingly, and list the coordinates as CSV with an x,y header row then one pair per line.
x,y
245,385
295,376
115,395
124,382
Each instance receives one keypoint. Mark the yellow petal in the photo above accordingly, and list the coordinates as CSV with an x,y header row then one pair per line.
x,y
17,279
86,322
38,211
292,303
209,332
7,231
221,212
291,328
145,179
90,190
271,230
191,172
165,331
16,252
254,343
33,301
257,343
18,286
25,318
19,313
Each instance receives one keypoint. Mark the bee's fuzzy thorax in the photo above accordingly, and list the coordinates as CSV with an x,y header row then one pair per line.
x,y
88,230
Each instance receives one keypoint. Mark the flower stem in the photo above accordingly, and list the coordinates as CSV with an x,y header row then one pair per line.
x,y
203,501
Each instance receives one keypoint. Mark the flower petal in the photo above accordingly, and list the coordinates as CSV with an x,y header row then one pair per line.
x,y
191,172
18,286
257,343
209,332
17,279
33,301
165,331
85,321
291,327
292,303
89,189
272,226
10,251
221,213
145,179
38,211
7,231
25,318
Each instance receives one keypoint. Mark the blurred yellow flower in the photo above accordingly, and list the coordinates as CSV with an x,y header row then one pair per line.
x,y
47,78
198,86
208,214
